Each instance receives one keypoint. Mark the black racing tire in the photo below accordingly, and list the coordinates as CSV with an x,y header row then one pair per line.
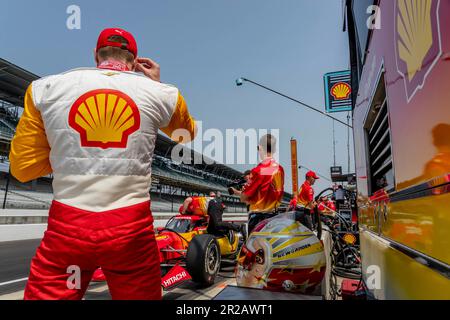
x,y
203,259
164,270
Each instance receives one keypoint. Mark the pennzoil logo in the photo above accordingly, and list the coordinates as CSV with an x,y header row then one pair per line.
x,y
104,118
418,41
341,91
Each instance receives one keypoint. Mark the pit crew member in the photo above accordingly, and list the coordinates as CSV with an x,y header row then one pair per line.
x,y
216,225
197,205
95,129
265,187
304,202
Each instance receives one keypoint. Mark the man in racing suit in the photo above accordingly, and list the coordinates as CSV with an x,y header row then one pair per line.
x,y
95,129
197,205
304,202
326,205
326,208
215,224
265,188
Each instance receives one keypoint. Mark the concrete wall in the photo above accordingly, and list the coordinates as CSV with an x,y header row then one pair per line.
x,y
17,224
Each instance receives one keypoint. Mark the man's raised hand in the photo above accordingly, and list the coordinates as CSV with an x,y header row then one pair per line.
x,y
149,68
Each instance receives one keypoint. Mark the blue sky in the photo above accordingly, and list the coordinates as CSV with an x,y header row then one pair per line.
x,y
202,47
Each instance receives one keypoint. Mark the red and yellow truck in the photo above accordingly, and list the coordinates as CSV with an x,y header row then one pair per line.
x,y
400,62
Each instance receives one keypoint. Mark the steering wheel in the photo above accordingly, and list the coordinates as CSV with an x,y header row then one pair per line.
x,y
318,224
349,194
322,192
175,232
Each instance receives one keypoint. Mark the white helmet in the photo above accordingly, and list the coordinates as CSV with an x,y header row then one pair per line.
x,y
281,255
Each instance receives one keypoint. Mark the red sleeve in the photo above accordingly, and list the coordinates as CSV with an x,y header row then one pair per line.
x,y
252,186
293,203
332,206
310,194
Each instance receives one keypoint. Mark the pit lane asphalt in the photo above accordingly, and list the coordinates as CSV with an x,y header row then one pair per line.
x,y
15,259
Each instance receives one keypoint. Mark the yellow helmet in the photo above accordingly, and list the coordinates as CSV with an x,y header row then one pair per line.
x,y
281,255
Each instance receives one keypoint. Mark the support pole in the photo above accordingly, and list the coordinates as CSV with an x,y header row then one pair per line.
x,y
8,177
334,146
294,167
348,142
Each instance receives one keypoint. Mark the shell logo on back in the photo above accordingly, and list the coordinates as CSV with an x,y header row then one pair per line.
x,y
104,118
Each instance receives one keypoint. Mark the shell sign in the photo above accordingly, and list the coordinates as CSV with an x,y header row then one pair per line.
x,y
104,118
338,91
418,41
341,91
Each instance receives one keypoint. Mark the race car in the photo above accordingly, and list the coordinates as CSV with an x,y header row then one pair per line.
x,y
184,242
187,251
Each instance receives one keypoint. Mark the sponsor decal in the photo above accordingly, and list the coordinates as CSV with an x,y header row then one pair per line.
x,y
291,251
175,277
104,118
417,41
184,217
341,91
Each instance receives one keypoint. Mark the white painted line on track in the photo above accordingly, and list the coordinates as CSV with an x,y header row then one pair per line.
x,y
13,296
12,281
102,288
215,290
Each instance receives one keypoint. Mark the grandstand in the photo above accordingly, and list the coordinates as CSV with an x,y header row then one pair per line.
x,y
13,82
171,182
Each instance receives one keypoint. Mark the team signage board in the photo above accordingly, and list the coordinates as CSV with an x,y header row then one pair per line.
x,y
336,171
338,91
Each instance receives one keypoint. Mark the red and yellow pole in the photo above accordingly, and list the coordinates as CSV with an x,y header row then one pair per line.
x,y
294,167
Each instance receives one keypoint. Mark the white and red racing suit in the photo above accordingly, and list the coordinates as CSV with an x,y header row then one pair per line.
x,y
95,130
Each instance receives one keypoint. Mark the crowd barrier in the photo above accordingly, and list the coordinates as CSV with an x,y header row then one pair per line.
x,y
22,224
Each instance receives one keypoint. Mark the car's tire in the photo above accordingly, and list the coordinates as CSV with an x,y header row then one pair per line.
x,y
164,270
203,259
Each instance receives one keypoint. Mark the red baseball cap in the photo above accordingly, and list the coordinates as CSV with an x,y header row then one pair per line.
x,y
105,35
312,174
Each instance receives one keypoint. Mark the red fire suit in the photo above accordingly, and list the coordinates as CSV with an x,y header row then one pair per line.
x,y
95,131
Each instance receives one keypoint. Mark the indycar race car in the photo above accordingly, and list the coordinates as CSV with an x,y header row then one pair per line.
x,y
187,251
184,242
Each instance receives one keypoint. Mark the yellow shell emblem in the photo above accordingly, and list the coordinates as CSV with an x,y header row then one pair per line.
x,y
104,118
415,33
341,91
349,238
